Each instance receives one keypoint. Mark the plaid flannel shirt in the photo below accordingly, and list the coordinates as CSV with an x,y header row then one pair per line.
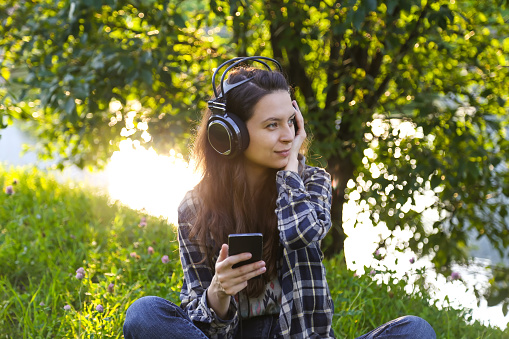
x,y
303,210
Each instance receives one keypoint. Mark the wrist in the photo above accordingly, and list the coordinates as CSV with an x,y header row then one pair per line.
x,y
292,165
218,300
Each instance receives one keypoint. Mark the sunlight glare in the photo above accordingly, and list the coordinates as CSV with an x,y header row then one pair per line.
x,y
142,179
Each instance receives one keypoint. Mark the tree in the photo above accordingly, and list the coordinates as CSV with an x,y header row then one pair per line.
x,y
362,70
82,67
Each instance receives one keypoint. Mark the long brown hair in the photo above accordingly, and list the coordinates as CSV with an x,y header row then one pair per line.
x,y
227,204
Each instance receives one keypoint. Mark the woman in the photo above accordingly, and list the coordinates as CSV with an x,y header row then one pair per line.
x,y
267,188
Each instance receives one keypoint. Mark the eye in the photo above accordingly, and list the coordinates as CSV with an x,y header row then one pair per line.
x,y
272,125
291,122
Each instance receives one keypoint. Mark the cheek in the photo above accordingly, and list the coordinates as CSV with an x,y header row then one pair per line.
x,y
267,143
260,141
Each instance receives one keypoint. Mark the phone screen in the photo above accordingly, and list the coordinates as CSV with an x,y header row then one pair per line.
x,y
246,242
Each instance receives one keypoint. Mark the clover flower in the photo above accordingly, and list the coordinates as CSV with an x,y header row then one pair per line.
x,y
455,276
80,273
67,307
378,254
143,222
111,287
165,259
150,250
133,254
99,308
9,190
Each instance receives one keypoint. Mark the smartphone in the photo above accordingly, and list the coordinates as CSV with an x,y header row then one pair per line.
x,y
295,120
246,242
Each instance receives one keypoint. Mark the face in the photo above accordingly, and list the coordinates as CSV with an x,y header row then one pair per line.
x,y
271,133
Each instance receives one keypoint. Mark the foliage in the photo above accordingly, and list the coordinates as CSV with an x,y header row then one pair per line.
x,y
82,67
50,229
401,97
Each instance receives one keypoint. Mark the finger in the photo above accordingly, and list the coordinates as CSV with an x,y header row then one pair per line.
x,y
299,119
234,289
221,263
223,253
235,259
296,105
224,267
258,270
236,284
246,272
233,276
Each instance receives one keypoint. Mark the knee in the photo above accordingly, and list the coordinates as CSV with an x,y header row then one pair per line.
x,y
141,305
137,309
141,313
420,327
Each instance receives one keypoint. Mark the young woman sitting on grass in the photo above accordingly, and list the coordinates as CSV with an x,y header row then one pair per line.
x,y
258,183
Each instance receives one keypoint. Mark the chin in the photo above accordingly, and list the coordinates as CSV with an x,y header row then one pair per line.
x,y
281,165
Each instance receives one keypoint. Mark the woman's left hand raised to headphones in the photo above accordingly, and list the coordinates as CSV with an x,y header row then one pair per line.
x,y
300,136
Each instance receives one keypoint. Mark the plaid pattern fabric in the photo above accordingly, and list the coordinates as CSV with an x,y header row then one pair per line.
x,y
197,278
303,210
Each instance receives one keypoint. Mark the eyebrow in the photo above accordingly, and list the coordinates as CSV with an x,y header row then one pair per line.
x,y
276,119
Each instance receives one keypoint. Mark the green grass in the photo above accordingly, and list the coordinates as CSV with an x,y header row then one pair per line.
x,y
48,230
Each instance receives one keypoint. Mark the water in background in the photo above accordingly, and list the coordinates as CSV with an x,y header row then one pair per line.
x,y
144,180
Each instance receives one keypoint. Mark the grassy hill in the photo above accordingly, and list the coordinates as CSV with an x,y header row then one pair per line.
x,y
48,230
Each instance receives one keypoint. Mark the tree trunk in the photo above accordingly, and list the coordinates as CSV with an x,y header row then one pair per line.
x,y
341,170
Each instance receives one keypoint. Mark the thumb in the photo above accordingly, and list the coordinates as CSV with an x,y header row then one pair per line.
x,y
223,253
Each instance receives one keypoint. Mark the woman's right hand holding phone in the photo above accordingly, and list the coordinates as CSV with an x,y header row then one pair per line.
x,y
228,281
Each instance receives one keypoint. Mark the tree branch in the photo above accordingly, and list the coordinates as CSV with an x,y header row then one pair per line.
x,y
371,101
333,74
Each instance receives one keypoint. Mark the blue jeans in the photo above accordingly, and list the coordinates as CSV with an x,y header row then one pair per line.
x,y
154,317
405,327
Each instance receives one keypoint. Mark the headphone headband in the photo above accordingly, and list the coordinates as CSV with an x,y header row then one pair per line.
x,y
237,61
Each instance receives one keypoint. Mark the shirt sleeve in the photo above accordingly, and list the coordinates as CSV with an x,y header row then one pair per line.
x,y
197,278
303,206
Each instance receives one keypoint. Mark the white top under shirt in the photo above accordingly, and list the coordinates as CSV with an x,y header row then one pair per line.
x,y
268,303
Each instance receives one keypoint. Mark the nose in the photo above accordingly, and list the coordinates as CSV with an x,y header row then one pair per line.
x,y
287,134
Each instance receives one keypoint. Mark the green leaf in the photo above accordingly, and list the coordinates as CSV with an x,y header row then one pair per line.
x,y
435,181
146,76
503,212
70,106
358,18
179,20
370,5
391,5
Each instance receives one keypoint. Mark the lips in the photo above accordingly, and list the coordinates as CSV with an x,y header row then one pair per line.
x,y
284,153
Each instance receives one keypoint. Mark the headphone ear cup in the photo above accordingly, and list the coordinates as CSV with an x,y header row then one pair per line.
x,y
227,134
243,132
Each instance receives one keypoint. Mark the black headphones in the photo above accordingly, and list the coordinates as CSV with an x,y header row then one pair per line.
x,y
227,133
